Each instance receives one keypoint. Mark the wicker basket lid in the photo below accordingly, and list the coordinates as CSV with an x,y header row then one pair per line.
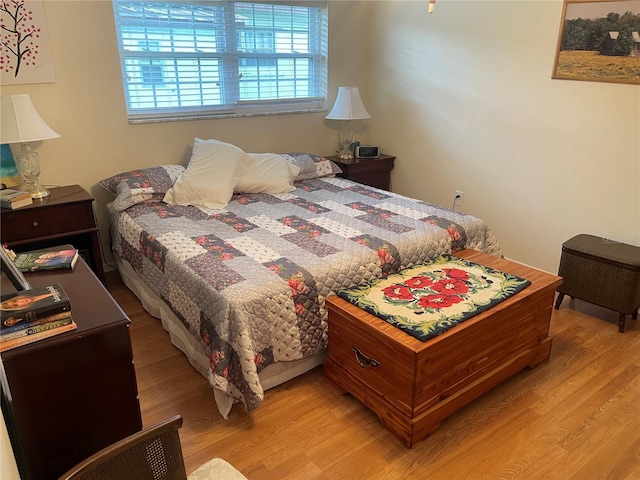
x,y
604,249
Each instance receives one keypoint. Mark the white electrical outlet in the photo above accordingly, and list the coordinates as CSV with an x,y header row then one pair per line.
x,y
457,199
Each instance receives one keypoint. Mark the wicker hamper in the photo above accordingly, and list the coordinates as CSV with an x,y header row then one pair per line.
x,y
602,272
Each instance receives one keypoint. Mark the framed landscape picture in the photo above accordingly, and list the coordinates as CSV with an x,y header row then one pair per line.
x,y
599,41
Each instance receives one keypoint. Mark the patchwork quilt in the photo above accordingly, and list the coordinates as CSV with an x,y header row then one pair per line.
x,y
250,281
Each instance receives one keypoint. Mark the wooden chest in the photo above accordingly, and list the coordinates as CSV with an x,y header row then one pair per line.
x,y
412,385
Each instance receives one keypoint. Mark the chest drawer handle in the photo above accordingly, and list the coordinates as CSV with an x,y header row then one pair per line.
x,y
35,224
363,360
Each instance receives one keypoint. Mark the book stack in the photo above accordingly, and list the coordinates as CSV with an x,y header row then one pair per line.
x,y
51,259
28,316
11,198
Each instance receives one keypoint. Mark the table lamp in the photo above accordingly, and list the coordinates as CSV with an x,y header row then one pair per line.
x,y
348,107
20,123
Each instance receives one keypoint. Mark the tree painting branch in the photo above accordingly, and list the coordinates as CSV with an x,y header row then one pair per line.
x,y
19,36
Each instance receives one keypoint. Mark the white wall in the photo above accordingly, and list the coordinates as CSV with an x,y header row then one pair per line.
x,y
464,98
86,105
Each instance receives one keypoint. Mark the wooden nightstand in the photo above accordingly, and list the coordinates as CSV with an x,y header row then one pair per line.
x,y
375,172
66,216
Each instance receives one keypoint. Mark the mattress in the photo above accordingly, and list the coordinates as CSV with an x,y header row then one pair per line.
x,y
241,290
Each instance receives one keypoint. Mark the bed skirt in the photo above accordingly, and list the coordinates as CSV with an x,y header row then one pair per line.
x,y
272,376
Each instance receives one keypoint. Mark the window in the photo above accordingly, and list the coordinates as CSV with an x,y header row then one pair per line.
x,y
204,59
151,70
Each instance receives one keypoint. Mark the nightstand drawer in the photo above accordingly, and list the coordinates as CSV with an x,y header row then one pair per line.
x,y
47,221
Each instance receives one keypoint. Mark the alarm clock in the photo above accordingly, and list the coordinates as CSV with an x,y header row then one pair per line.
x,y
367,151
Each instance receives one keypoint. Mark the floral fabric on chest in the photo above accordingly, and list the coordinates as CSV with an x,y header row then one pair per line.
x,y
427,300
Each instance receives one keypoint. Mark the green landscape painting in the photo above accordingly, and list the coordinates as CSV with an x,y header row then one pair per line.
x,y
599,41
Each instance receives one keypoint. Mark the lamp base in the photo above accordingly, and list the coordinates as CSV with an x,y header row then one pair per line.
x,y
37,191
346,139
345,154
28,163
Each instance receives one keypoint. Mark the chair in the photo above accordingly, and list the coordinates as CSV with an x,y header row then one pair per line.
x,y
153,453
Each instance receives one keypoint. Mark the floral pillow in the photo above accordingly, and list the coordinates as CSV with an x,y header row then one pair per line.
x,y
312,166
140,186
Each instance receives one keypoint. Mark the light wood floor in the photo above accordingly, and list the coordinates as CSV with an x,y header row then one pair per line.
x,y
575,417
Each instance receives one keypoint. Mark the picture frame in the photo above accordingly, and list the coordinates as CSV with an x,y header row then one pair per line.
x,y
25,20
599,41
9,175
11,271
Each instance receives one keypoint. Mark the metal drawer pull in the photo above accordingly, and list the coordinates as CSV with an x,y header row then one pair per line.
x,y
363,360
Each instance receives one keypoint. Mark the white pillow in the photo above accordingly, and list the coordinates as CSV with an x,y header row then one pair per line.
x,y
268,173
212,174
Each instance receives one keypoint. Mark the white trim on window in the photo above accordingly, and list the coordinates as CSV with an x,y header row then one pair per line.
x,y
184,60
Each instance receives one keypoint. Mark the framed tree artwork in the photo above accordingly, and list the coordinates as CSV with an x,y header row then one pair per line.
x,y
599,41
24,44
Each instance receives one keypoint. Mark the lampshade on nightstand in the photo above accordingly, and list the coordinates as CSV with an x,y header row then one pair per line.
x,y
20,123
348,106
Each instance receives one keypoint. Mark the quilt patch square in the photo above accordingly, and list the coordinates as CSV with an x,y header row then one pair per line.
x,y
234,221
307,205
153,250
369,192
382,222
303,226
214,271
310,244
217,247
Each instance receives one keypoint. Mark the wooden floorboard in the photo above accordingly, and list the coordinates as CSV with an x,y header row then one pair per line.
x,y
574,417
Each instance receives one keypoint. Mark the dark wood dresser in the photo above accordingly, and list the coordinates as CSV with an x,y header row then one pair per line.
x,y
68,396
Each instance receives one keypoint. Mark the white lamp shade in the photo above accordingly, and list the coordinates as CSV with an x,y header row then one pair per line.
x,y
20,122
348,105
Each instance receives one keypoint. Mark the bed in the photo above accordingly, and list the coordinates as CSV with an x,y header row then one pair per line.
x,y
241,287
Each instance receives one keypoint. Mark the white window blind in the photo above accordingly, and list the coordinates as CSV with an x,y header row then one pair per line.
x,y
195,59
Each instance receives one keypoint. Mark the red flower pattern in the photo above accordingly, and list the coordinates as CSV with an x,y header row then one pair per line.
x,y
419,282
450,286
398,292
438,301
384,256
275,268
297,287
456,273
